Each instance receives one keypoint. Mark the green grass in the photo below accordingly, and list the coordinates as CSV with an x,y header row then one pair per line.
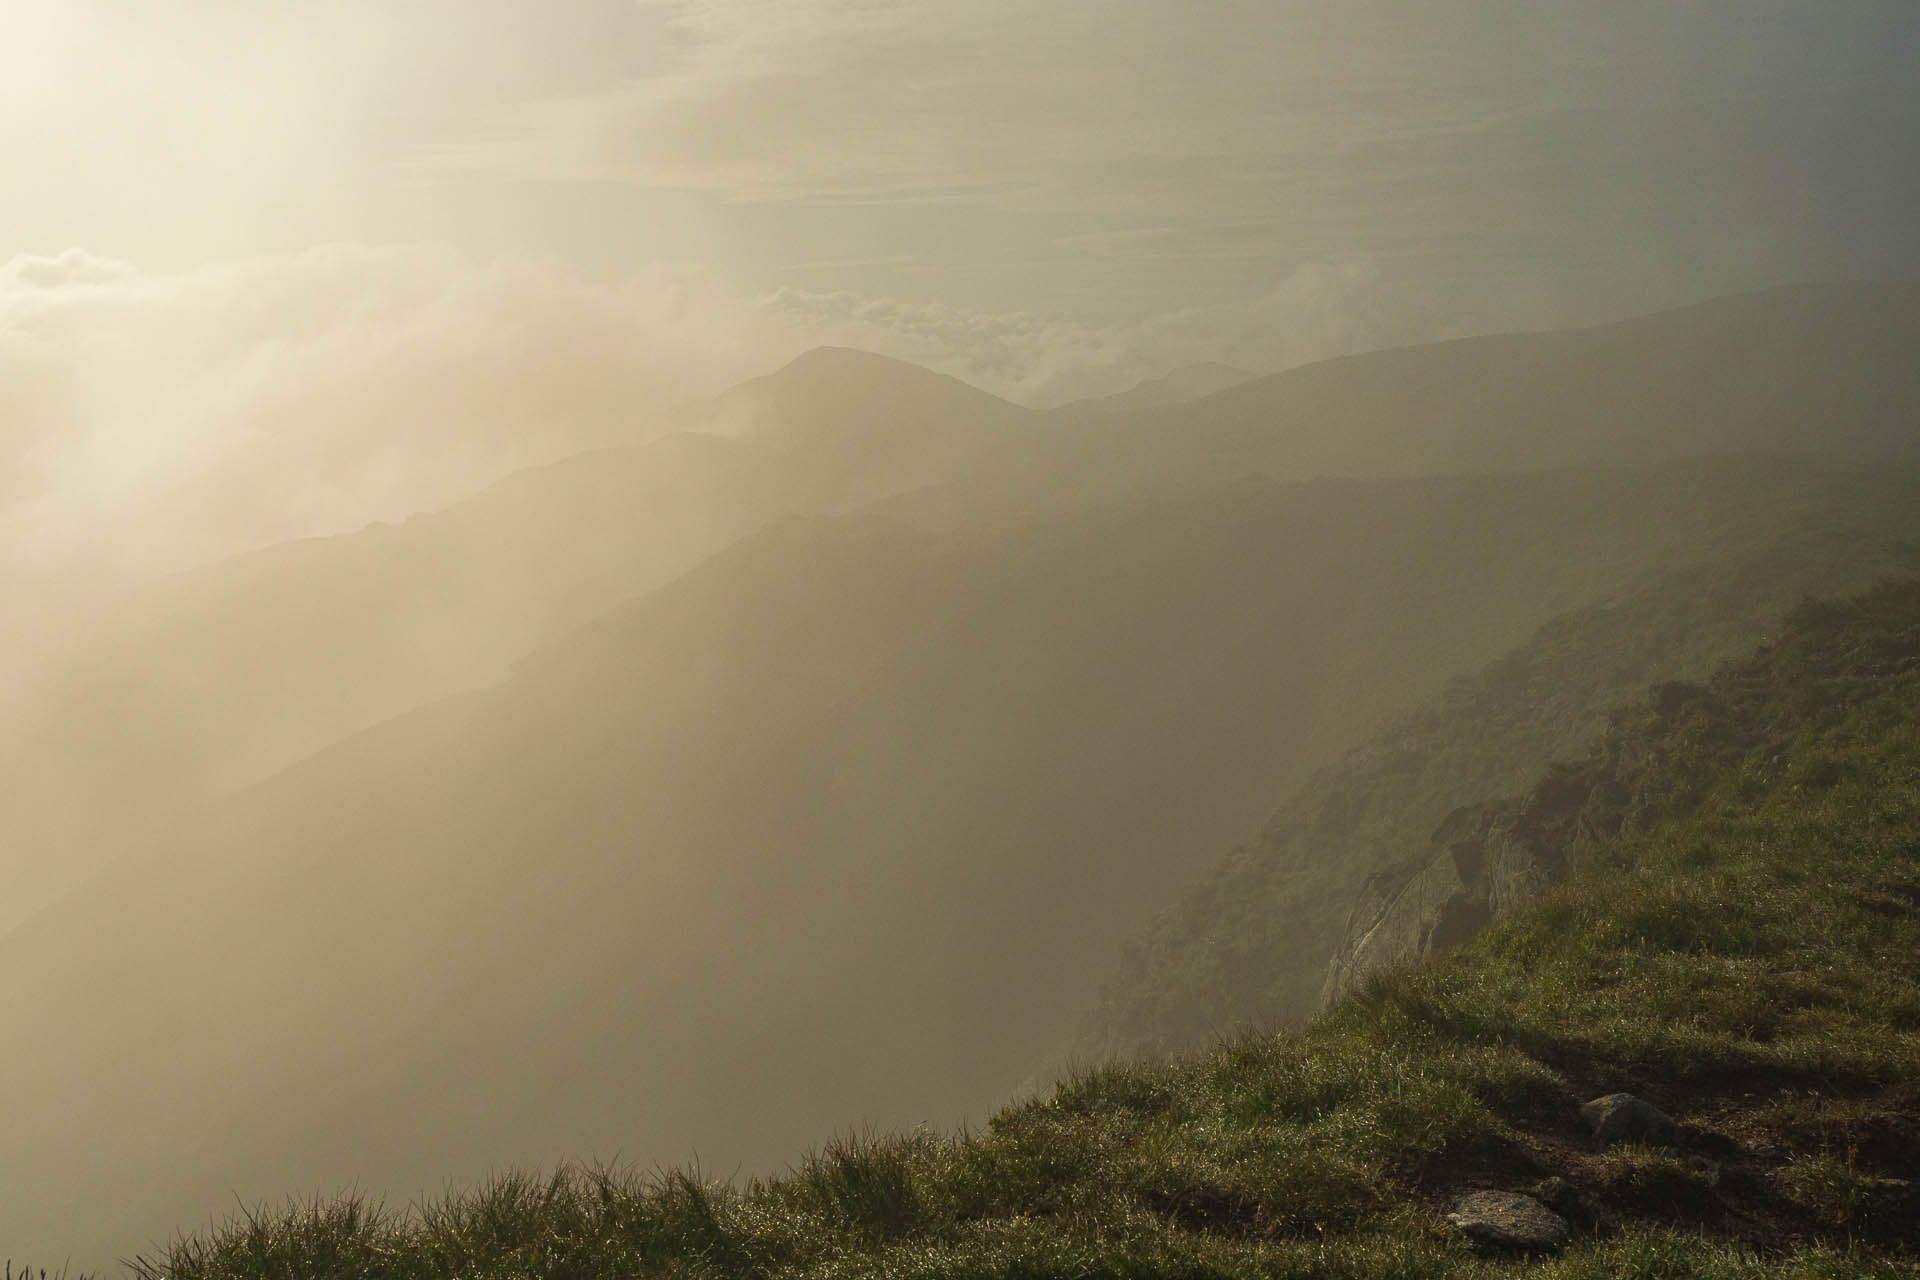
x,y
1753,968
1250,941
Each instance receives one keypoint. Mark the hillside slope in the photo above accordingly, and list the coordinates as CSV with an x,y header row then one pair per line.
x,y
1821,370
207,680
1249,941
838,412
842,826
1752,372
1177,386
221,676
1751,969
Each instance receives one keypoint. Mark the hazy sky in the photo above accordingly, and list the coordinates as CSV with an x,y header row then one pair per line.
x,y
638,200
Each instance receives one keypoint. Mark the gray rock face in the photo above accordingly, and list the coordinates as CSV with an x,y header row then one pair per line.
x,y
1484,860
1622,1117
1508,1220
1558,1195
1481,862
1409,912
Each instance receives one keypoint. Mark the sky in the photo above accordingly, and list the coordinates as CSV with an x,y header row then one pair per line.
x,y
336,261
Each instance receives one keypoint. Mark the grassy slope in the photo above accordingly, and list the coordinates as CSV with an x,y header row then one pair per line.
x,y
1752,967
844,827
1249,942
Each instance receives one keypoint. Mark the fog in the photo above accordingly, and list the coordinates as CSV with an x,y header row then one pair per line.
x,y
667,579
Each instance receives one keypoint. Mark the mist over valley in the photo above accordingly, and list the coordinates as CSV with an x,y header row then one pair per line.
x,y
867,645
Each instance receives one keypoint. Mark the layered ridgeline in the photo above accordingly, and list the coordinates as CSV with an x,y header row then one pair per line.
x,y
843,826
207,680
845,821
1826,369
1250,942
1751,372
1187,383
1747,964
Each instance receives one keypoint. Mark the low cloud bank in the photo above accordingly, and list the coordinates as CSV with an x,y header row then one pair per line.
x,y
155,420
151,421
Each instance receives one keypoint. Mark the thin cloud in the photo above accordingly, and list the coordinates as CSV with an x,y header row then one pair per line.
x,y
1485,141
1321,309
171,417
150,420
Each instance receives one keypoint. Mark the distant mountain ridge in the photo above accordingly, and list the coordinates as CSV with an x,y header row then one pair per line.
x,y
248,665
821,758
1751,372
843,824
1819,370
838,413
221,675
1178,386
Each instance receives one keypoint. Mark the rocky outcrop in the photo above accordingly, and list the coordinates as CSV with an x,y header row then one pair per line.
x,y
1484,860
1509,1220
1621,1117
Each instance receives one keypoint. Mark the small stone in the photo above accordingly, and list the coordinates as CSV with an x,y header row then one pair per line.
x,y
1558,1195
1621,1117
1508,1220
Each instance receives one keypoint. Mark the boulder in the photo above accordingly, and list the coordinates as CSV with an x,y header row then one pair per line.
x,y
1509,1220
1485,860
1410,912
1480,862
1622,1117
1558,1195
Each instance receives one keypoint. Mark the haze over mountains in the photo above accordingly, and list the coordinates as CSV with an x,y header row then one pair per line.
x,y
224,674
1251,940
808,766
1188,382
227,673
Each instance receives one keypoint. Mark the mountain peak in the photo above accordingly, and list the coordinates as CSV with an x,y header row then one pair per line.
x,y
845,385
846,359
1177,386
847,369
1201,378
